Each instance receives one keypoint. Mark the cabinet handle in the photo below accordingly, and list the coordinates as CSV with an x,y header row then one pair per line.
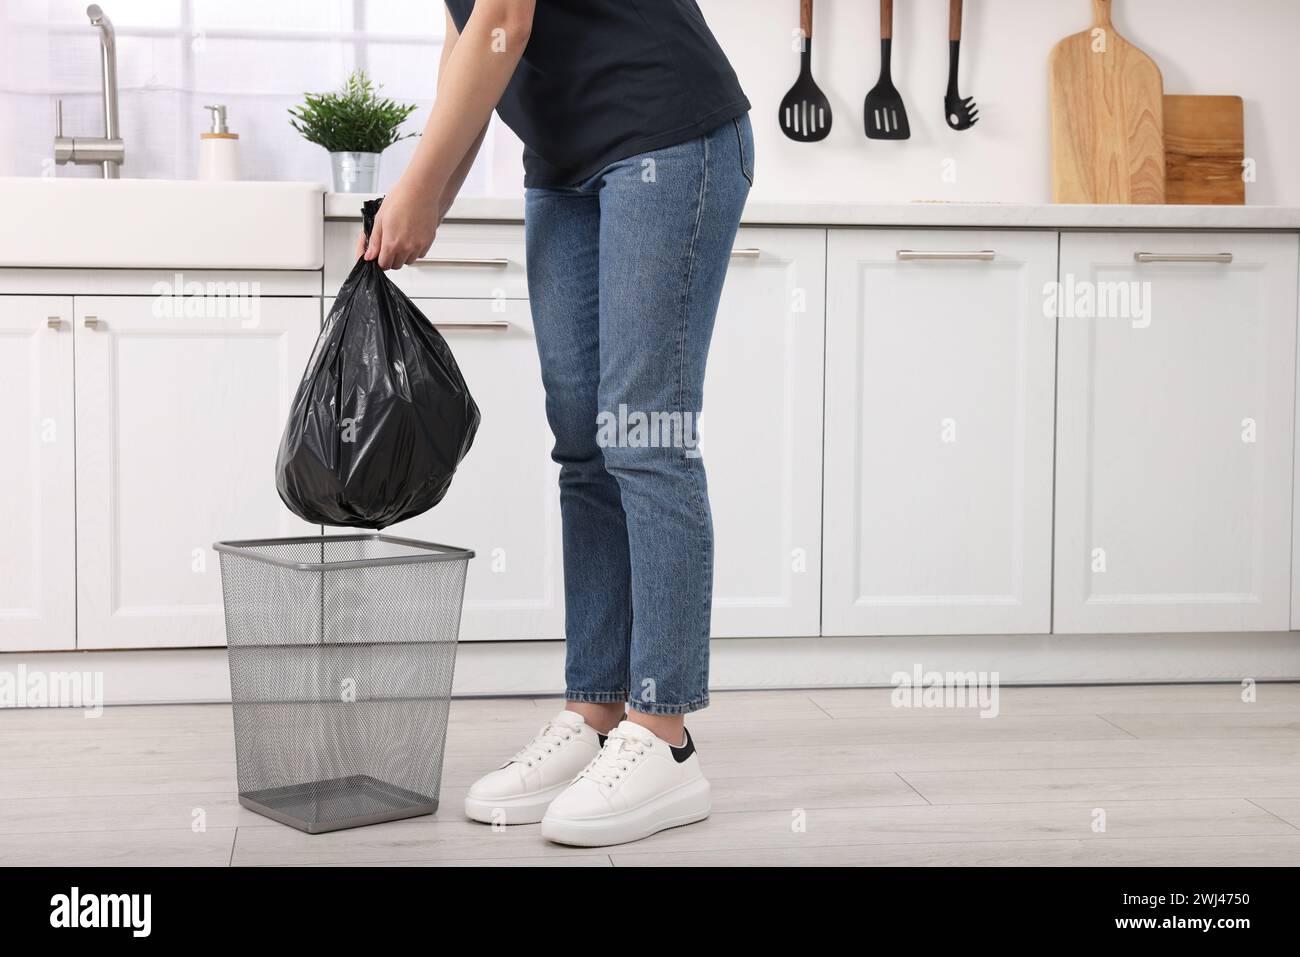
x,y
54,322
92,322
1224,258
746,253
925,255
495,325
434,261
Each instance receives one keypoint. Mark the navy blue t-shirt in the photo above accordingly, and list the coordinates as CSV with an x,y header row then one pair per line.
x,y
602,80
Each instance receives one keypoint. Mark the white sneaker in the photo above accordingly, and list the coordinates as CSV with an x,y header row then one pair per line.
x,y
519,791
638,785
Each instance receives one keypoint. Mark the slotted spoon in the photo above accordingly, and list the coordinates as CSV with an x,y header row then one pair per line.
x,y
805,113
886,117
961,112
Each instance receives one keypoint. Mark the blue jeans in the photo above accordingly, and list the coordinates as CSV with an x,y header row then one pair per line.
x,y
624,275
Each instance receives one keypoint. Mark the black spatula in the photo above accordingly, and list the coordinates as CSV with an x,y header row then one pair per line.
x,y
805,113
886,117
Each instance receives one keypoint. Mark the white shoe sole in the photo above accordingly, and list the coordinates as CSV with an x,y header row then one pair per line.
x,y
523,809
684,805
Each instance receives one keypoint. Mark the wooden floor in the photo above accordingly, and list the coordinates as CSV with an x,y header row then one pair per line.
x,y
1179,775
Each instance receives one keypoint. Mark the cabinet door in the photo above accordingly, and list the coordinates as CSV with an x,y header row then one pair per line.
x,y
1174,446
180,406
939,377
37,507
504,502
761,435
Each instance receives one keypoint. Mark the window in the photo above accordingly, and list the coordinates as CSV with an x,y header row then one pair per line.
x,y
173,56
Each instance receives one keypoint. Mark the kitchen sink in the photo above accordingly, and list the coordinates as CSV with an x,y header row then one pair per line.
x,y
161,224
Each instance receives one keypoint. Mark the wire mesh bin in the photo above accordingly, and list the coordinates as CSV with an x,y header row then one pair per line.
x,y
341,651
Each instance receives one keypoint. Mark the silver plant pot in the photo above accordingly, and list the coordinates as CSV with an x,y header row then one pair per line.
x,y
355,172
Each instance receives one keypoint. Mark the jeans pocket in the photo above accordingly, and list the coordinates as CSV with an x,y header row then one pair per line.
x,y
746,146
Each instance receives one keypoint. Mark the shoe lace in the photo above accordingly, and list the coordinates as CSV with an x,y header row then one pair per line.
x,y
615,759
550,739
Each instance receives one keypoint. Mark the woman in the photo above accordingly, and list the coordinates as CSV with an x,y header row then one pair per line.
x,y
637,163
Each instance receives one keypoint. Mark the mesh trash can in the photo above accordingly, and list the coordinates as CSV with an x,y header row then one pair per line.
x,y
341,652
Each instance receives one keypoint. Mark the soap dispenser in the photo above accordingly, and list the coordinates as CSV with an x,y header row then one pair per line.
x,y
218,148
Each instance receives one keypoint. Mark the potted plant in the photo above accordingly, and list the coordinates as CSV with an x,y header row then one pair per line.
x,y
355,124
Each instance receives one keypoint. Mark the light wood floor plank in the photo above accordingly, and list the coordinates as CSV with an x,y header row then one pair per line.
x,y
1288,809
1258,724
927,824
114,720
44,749
811,791
1278,851
419,839
129,812
71,779
176,719
923,824
1094,699
1104,784
888,754
962,730
586,860
156,848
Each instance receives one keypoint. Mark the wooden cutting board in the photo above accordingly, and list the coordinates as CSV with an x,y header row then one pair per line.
x,y
1205,149
1107,99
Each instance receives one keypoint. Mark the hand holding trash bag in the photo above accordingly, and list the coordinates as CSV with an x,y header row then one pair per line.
x,y
383,416
404,228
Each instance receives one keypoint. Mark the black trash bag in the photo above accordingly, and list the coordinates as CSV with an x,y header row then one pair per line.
x,y
382,417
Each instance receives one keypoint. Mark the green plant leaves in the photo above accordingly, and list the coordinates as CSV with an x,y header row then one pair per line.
x,y
354,119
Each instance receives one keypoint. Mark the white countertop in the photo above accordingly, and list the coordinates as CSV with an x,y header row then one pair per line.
x,y
150,224
976,215
81,222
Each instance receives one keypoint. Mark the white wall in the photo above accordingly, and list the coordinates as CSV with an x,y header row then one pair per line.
x,y
1245,47
1250,48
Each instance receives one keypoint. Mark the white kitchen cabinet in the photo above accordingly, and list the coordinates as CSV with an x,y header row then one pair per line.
x,y
761,435
939,404
1175,432
180,407
37,544
504,502
923,444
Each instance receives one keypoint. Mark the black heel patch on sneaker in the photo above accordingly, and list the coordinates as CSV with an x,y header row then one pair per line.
x,y
685,751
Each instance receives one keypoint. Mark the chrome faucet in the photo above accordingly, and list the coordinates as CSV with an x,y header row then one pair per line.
x,y
108,149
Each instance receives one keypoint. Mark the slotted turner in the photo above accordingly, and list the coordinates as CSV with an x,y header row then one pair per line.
x,y
805,113
886,117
